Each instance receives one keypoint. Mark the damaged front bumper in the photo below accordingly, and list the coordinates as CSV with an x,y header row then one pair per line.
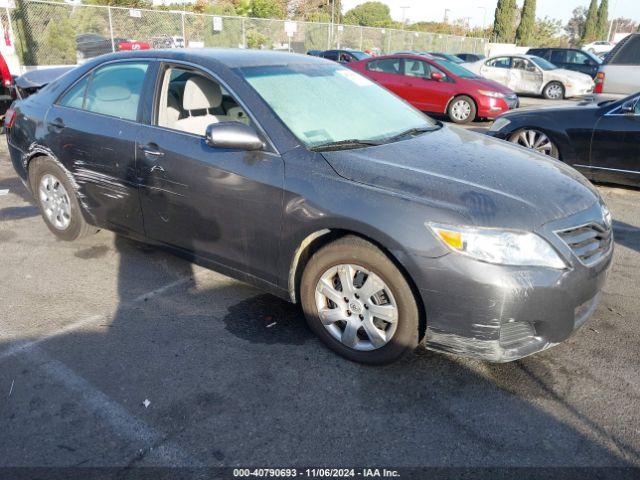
x,y
501,313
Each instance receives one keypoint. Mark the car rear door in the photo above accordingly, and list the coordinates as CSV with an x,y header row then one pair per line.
x,y
614,147
497,69
93,130
524,76
423,92
223,205
388,73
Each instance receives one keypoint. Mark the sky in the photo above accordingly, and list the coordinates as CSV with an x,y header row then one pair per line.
x,y
434,10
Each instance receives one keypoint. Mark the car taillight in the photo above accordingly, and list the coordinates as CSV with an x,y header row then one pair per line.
x,y
9,118
7,83
599,82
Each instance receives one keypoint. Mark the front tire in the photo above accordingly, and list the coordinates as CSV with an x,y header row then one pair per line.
x,y
462,109
358,302
57,201
553,91
535,140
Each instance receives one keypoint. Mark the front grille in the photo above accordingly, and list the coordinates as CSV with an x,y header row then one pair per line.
x,y
590,243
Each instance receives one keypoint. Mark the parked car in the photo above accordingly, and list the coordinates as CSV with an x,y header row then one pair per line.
x,y
32,82
388,227
599,48
89,45
533,75
447,56
619,74
570,59
344,56
470,57
167,41
599,139
6,89
314,53
437,85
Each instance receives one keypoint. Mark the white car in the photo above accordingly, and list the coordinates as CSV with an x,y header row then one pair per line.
x,y
533,75
598,47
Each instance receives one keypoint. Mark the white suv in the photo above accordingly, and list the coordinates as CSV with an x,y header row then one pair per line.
x,y
619,74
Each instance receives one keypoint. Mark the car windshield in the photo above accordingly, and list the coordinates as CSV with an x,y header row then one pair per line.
x,y
323,104
543,64
454,68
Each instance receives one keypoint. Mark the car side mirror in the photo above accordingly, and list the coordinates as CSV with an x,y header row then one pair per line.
x,y
234,135
629,108
437,76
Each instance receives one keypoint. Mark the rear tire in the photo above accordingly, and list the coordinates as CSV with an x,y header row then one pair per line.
x,y
462,109
373,328
554,91
57,200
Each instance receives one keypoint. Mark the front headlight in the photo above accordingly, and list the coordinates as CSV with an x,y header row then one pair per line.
x,y
499,124
492,94
504,247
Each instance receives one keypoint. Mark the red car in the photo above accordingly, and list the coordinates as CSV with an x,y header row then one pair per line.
x,y
439,86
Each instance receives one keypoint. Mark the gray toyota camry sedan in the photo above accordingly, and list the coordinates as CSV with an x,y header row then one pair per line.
x,y
303,177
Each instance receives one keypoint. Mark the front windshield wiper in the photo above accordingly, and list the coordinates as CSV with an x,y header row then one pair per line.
x,y
344,145
410,133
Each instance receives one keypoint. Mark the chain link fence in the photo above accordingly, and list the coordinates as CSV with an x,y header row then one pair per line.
x,y
49,33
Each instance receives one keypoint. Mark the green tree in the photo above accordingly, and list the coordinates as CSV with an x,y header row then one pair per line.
x,y
505,18
591,23
525,32
369,14
548,33
575,26
267,9
602,26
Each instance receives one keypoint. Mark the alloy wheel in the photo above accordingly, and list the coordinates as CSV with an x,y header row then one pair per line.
x,y
461,110
356,307
554,91
535,140
55,202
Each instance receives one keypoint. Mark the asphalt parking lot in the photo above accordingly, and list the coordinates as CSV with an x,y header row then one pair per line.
x,y
113,353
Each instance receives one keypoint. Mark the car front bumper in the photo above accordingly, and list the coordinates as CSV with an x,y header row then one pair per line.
x,y
501,313
492,107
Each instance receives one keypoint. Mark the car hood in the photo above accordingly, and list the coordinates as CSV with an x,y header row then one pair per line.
x,y
487,182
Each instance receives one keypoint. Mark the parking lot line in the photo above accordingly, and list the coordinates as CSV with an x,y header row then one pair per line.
x,y
158,450
20,347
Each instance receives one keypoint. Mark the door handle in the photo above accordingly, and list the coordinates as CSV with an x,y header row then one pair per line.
x,y
151,149
56,124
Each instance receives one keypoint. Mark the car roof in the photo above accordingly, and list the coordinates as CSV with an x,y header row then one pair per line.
x,y
228,57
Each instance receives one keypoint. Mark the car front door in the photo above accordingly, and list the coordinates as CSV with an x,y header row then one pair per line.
x,y
217,204
92,130
424,92
497,69
388,73
524,76
614,148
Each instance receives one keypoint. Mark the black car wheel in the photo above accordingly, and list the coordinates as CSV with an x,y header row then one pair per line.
x,y
462,109
57,201
553,91
535,140
358,302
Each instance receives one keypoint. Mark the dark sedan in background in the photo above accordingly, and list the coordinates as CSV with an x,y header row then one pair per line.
x,y
305,178
602,140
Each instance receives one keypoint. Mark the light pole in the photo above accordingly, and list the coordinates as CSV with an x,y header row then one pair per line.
x,y
404,12
447,11
484,18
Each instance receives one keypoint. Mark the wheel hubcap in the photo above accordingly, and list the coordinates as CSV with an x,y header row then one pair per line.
x,y
55,202
554,91
461,110
356,307
535,140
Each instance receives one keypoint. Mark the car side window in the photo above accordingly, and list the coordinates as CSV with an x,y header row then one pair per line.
x,y
331,56
387,65
417,68
577,58
112,90
559,56
629,53
500,62
523,64
190,102
345,58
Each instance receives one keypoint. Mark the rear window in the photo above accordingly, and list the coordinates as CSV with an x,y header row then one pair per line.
x,y
628,54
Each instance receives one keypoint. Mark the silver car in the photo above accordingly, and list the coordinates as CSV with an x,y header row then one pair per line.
x,y
533,75
619,75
